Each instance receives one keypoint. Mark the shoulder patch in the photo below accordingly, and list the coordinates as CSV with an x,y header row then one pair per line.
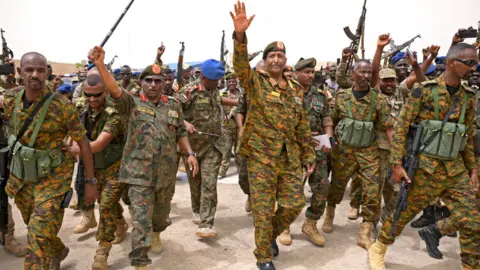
x,y
417,92
431,82
110,110
145,110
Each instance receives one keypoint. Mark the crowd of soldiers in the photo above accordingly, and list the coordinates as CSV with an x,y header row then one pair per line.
x,y
124,133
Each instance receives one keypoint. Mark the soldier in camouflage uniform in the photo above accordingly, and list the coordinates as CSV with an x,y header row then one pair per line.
x,y
318,113
126,81
357,155
276,140
105,130
155,126
39,194
229,126
202,106
241,162
442,173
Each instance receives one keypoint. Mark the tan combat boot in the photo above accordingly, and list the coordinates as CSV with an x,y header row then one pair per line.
x,y
11,244
285,238
141,267
363,238
376,256
100,261
466,267
122,228
248,206
157,246
58,258
353,213
88,222
328,221
309,228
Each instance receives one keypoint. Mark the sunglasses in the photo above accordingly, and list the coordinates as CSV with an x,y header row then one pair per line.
x,y
149,81
93,95
469,63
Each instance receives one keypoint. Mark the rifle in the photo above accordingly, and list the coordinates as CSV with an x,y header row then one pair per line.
x,y
253,55
223,51
180,67
355,38
109,66
80,179
394,49
468,33
6,52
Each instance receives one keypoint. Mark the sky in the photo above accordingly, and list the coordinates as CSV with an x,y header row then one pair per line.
x,y
65,30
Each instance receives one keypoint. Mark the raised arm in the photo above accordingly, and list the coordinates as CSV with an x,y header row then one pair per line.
x,y
383,40
97,55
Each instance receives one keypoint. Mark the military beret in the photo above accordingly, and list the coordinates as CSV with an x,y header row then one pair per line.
x,y
275,46
305,63
399,56
151,71
287,68
65,88
116,71
430,70
440,60
387,73
212,69
90,66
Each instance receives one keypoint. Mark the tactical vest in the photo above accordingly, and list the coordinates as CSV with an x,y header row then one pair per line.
x,y
357,133
30,164
451,139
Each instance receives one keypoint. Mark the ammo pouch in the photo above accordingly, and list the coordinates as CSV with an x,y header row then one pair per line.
x,y
451,138
357,133
109,155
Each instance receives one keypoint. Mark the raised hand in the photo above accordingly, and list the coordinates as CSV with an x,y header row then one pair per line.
x,y
412,61
434,49
97,56
161,49
240,21
383,40
426,53
456,39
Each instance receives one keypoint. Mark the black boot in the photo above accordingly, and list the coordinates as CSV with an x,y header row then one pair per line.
x,y
431,235
266,266
441,213
426,219
274,247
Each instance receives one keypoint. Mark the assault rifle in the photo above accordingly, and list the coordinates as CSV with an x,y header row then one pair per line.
x,y
109,66
6,69
253,55
180,66
80,179
223,51
394,49
355,38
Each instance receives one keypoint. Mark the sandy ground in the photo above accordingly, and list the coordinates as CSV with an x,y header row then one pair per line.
x,y
233,248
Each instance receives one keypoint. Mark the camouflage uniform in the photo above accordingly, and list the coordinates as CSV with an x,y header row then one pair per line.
x,y
153,131
276,141
318,114
363,162
341,77
40,202
229,130
451,180
242,166
202,108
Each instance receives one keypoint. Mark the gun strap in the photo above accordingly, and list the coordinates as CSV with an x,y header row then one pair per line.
x,y
370,111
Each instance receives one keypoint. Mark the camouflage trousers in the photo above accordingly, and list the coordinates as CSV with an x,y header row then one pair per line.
x,y
459,196
44,220
242,168
281,183
362,164
203,187
319,185
230,143
110,192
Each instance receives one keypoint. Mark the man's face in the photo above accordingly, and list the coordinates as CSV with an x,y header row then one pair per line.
x,y
34,72
305,76
232,84
333,71
82,76
439,69
275,63
168,80
186,75
95,95
49,71
388,85
474,79
126,74
466,62
210,84
362,74
401,68
152,87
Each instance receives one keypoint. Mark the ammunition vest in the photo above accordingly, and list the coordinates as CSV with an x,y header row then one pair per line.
x,y
451,139
357,133
30,164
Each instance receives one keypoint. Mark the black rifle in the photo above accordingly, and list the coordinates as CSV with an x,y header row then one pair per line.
x,y
355,38
394,49
180,66
468,33
223,51
109,66
253,55
6,69
80,179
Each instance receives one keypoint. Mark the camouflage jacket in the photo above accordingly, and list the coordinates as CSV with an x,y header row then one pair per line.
x,y
276,118
60,121
152,135
229,111
341,77
132,87
242,107
395,102
203,109
420,106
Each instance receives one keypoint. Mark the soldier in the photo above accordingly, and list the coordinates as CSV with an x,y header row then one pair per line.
x,y
288,72
276,140
126,80
105,130
241,162
439,65
202,107
400,65
331,84
474,79
40,194
444,167
341,75
318,113
229,126
358,113
155,126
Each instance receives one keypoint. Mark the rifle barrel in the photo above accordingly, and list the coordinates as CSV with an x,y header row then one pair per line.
x,y
116,24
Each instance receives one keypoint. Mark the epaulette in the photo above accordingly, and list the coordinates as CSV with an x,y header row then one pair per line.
x,y
110,110
144,109
430,82
296,82
173,98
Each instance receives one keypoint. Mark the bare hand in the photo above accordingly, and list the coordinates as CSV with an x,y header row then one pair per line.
x,y
474,177
434,49
161,49
399,174
383,40
414,61
456,39
97,56
74,149
310,168
426,53
57,81
190,128
326,150
240,21
193,165
477,45
346,53
91,194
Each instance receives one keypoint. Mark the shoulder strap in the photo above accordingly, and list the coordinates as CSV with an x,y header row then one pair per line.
x,y
372,105
435,100
349,104
39,122
464,108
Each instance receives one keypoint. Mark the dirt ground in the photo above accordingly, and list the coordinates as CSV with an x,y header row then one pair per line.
x,y
233,248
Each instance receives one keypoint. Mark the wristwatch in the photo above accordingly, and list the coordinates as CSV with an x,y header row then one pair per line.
x,y
92,181
192,154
